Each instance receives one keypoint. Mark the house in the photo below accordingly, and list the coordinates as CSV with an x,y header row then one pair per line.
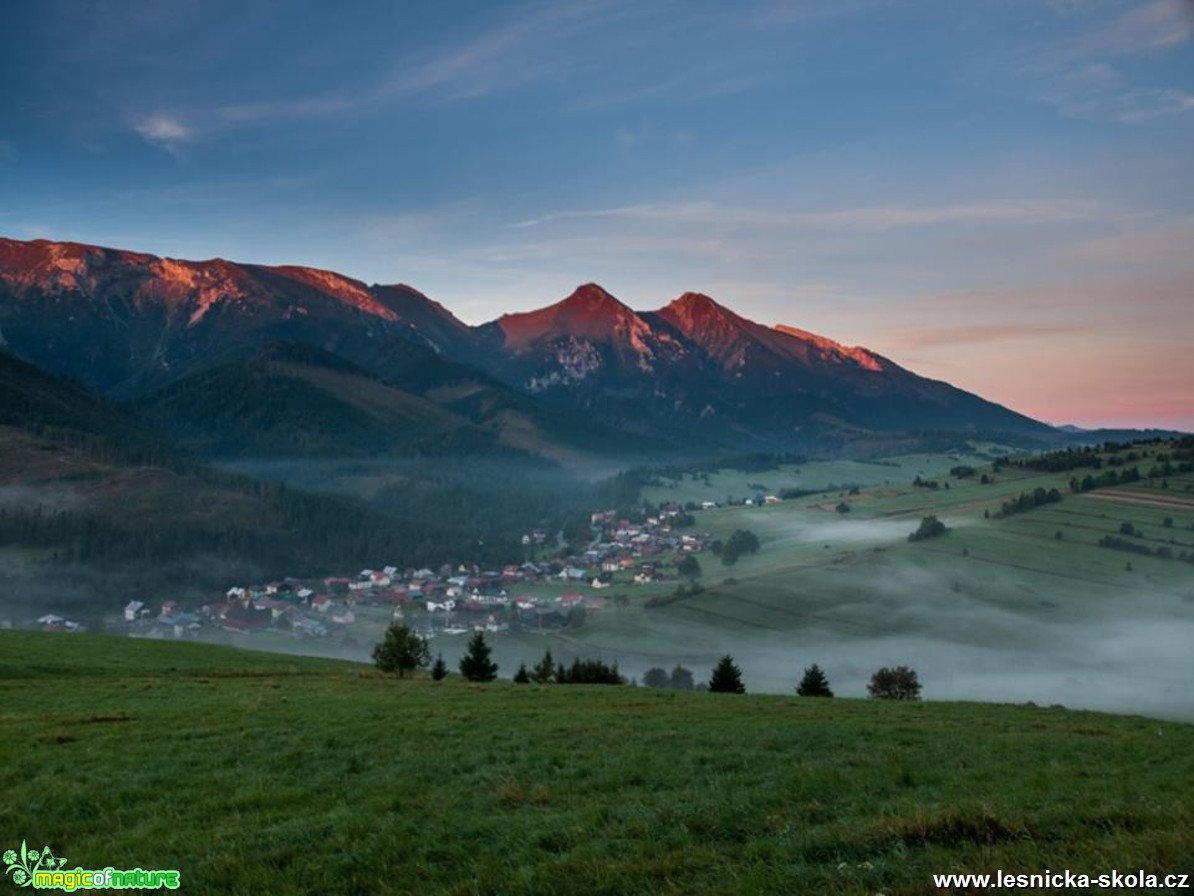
x,y
321,603
241,618
133,610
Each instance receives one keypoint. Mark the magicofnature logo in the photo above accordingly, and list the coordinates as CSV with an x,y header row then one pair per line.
x,y
43,870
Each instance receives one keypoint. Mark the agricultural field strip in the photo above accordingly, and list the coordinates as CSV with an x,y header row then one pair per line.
x,y
1027,520
780,610
1010,565
1143,499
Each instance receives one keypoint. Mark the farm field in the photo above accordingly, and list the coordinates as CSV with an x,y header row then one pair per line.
x,y
718,485
1023,607
330,777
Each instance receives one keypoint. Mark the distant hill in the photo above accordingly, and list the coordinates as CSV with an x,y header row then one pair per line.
x,y
58,408
95,504
295,400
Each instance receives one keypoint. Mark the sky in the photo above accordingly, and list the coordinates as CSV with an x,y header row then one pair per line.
x,y
997,193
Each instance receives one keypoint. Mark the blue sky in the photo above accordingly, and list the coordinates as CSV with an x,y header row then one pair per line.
x,y
994,193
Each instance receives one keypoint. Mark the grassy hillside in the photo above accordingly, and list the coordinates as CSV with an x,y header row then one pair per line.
x,y
252,773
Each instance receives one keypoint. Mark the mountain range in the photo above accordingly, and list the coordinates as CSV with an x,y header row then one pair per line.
x,y
251,360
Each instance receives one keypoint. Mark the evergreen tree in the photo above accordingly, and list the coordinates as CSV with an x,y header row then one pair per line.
x,y
544,671
727,677
476,665
439,671
814,683
522,676
401,651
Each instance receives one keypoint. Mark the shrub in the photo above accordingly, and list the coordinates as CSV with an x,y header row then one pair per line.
x,y
899,683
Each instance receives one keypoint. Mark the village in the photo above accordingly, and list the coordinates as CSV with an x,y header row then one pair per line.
x,y
454,599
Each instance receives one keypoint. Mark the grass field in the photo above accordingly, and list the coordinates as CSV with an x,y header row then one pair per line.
x,y
252,773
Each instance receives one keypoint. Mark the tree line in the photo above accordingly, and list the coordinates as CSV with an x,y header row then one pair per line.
x,y
402,651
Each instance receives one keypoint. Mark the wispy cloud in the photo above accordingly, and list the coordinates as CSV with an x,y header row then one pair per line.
x,y
968,334
8,152
1142,28
1082,75
165,131
522,51
879,217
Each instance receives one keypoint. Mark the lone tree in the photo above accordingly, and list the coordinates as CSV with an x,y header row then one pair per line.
x,y
476,665
689,567
439,671
522,676
727,677
899,683
401,651
814,683
930,527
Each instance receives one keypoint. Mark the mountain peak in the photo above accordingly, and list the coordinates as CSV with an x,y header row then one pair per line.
x,y
697,311
588,313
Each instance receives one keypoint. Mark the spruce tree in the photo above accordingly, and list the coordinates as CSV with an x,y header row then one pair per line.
x,y
521,676
814,683
545,670
440,670
401,651
476,665
727,677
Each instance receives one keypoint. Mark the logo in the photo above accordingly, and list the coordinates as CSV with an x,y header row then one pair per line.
x,y
43,870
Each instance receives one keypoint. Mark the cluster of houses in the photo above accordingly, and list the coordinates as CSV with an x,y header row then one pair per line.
x,y
448,600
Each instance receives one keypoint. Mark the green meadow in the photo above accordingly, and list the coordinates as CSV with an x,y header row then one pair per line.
x,y
252,773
